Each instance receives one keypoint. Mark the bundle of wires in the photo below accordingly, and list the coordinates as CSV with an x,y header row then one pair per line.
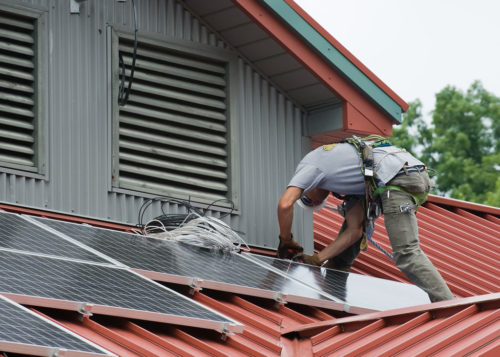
x,y
193,227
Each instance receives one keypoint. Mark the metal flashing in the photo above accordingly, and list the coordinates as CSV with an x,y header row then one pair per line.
x,y
335,57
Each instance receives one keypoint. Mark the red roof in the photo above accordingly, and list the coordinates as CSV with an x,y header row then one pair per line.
x,y
460,238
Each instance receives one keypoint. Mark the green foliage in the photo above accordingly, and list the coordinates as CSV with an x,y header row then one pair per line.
x,y
462,143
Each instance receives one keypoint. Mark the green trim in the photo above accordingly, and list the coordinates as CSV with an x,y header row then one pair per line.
x,y
335,57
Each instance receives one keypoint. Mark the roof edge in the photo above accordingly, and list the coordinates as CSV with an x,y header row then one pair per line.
x,y
9,207
314,328
401,102
464,204
334,58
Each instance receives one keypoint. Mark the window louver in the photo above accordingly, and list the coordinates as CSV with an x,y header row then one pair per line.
x,y
173,132
17,91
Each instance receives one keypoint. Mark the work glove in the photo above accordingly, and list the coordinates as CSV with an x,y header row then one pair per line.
x,y
288,248
307,259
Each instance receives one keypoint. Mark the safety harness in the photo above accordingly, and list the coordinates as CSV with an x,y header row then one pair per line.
x,y
364,147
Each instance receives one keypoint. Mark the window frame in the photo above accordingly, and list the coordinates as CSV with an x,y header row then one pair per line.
x,y
192,49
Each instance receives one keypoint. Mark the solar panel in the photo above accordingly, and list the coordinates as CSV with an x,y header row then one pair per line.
x,y
358,291
179,263
23,331
17,233
96,288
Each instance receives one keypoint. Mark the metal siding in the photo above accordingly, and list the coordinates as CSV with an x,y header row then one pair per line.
x,y
272,133
79,158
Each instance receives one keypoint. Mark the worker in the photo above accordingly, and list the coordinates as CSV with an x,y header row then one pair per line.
x,y
400,183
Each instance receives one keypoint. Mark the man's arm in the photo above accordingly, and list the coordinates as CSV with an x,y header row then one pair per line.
x,y
285,210
354,220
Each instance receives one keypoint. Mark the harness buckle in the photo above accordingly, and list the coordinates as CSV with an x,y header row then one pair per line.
x,y
373,210
405,207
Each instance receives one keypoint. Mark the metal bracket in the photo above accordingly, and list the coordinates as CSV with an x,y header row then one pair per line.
x,y
74,6
54,352
84,309
278,297
405,207
225,332
194,285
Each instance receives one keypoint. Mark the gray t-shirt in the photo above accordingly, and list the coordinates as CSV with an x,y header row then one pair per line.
x,y
338,169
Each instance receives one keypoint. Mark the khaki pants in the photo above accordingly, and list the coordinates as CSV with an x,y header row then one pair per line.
x,y
403,234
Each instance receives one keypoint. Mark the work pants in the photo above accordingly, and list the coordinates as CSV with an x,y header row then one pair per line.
x,y
403,234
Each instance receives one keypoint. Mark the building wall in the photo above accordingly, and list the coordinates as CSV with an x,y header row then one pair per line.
x,y
77,181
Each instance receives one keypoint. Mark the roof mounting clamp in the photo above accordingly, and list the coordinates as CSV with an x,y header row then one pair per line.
x,y
225,332
279,298
84,309
54,352
194,284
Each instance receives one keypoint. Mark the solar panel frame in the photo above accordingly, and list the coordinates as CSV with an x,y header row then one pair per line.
x,y
95,288
157,262
24,331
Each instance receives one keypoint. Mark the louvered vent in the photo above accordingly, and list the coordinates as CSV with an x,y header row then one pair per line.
x,y
17,91
173,131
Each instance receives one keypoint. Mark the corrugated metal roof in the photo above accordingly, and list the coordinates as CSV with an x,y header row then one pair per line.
x,y
461,327
458,239
462,244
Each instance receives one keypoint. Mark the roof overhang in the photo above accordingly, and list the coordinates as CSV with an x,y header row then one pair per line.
x,y
308,330
338,94
367,105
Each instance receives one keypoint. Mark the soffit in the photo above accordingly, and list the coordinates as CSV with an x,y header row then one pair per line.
x,y
265,54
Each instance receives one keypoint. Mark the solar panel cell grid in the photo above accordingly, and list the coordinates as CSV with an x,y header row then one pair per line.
x,y
90,283
21,326
170,257
19,234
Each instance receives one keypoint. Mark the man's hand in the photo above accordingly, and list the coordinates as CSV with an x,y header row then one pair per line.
x,y
288,248
308,259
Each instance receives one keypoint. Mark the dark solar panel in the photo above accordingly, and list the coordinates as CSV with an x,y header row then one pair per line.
x,y
356,290
19,234
95,284
21,326
170,257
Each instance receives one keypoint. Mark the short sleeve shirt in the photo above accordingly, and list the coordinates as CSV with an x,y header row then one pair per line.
x,y
338,168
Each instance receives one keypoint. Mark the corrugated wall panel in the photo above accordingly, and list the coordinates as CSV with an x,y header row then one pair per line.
x,y
271,146
79,157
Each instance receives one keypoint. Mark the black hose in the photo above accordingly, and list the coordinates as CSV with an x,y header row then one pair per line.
x,y
123,93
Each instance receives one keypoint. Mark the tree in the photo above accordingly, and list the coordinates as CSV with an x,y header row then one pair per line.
x,y
462,143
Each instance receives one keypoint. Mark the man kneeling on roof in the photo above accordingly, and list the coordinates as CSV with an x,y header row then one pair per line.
x,y
367,174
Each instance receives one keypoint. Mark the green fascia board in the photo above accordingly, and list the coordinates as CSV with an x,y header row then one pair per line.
x,y
335,57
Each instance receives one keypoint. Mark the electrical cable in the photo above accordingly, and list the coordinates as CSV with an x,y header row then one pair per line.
x,y
206,232
123,93
192,227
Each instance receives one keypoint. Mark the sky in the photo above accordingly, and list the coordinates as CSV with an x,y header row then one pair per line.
x,y
418,47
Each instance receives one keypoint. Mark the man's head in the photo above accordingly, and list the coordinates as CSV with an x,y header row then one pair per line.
x,y
314,199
